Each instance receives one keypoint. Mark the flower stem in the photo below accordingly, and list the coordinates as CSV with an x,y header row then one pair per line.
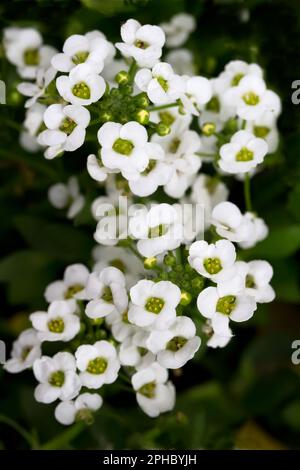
x,y
163,106
136,253
132,71
244,122
247,193
63,439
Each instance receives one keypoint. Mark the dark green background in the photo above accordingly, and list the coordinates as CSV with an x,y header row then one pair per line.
x,y
247,395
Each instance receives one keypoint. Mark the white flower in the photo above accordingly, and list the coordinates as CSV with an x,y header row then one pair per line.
x,y
230,223
35,90
251,98
157,173
197,93
59,323
182,61
96,169
143,43
98,364
57,377
32,125
134,352
227,301
265,127
161,84
66,129
154,393
26,349
67,412
235,70
119,325
209,192
24,48
153,304
71,286
215,261
91,49
176,345
124,148
243,153
258,231
107,291
68,196
119,258
83,86
219,340
178,29
157,230
256,277
112,220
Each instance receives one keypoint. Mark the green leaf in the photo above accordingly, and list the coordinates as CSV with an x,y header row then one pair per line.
x,y
282,242
60,241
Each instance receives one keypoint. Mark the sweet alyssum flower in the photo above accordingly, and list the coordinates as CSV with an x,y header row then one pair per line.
x,y
82,86
80,409
142,43
227,301
235,70
107,293
217,340
134,352
215,261
176,345
91,48
24,48
66,128
72,286
153,305
259,231
59,323
161,84
98,364
157,230
230,223
178,29
26,349
112,220
36,90
68,196
154,393
123,148
57,377
256,277
32,125
198,91
96,169
182,61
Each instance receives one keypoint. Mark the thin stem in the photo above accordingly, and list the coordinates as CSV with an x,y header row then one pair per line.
x,y
244,122
19,429
247,193
63,439
136,253
132,71
163,106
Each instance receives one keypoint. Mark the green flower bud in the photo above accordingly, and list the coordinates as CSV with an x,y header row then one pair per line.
x,y
150,263
122,77
142,116
163,129
185,298
142,100
169,260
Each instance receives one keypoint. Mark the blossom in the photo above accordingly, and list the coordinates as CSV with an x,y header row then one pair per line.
x,y
217,340
134,352
67,195
178,29
243,153
256,277
69,411
124,148
157,230
251,98
161,84
112,220
36,90
98,364
230,223
32,125
215,261
154,393
258,231
24,48
198,92
227,301
182,61
57,377
176,345
59,323
265,128
157,173
235,70
26,349
107,292
66,129
96,169
91,48
82,86
142,43
153,304
71,286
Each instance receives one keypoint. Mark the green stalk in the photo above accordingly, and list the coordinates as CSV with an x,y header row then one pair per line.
x,y
247,193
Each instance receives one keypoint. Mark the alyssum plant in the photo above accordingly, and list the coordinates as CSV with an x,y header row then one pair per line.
x,y
133,315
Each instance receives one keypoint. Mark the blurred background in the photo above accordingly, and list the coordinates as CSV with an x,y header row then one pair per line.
x,y
244,396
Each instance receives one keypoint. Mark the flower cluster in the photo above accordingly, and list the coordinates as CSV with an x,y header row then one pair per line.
x,y
168,275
